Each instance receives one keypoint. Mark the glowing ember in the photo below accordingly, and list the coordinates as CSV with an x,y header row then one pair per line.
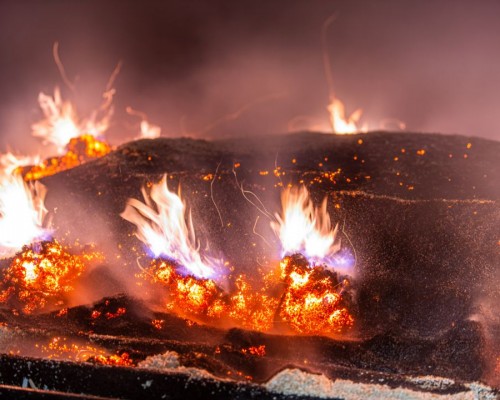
x,y
259,351
61,122
60,348
314,300
162,226
304,228
252,309
188,295
22,212
79,150
42,276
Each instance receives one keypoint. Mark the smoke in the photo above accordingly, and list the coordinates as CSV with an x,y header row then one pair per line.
x,y
216,69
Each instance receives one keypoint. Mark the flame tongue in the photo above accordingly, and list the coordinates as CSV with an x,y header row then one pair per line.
x,y
22,212
304,228
61,123
162,226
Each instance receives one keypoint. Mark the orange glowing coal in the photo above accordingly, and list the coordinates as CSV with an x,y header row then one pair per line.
x,y
315,300
188,295
42,276
79,150
304,295
62,348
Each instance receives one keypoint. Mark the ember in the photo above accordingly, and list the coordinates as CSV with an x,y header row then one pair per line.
x,y
61,348
42,276
314,300
79,150
187,294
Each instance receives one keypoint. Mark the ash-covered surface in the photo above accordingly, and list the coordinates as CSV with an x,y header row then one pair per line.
x,y
419,211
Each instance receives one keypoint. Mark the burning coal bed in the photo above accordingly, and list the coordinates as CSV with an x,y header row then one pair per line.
x,y
302,265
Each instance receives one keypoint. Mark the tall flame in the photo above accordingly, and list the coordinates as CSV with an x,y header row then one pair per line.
x,y
167,229
304,228
22,212
61,122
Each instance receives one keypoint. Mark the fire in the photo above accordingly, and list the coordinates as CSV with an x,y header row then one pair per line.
x,y
79,150
304,295
62,124
62,348
342,124
192,296
42,276
10,163
147,129
314,300
253,309
22,213
304,228
167,229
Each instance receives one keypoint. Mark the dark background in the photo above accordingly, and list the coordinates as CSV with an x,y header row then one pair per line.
x,y
434,65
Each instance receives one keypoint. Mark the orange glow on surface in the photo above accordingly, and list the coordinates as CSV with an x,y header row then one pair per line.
x,y
61,348
313,302
304,299
79,150
43,277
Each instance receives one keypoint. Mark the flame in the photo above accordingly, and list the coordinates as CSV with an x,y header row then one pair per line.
x,y
42,275
252,309
304,228
340,123
79,150
61,348
11,163
149,130
313,302
188,295
162,226
62,124
22,212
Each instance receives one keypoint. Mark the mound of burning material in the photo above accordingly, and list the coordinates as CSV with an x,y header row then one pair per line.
x,y
78,151
42,276
298,298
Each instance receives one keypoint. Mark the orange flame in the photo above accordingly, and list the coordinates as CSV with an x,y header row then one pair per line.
x,y
313,302
79,150
42,277
61,348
